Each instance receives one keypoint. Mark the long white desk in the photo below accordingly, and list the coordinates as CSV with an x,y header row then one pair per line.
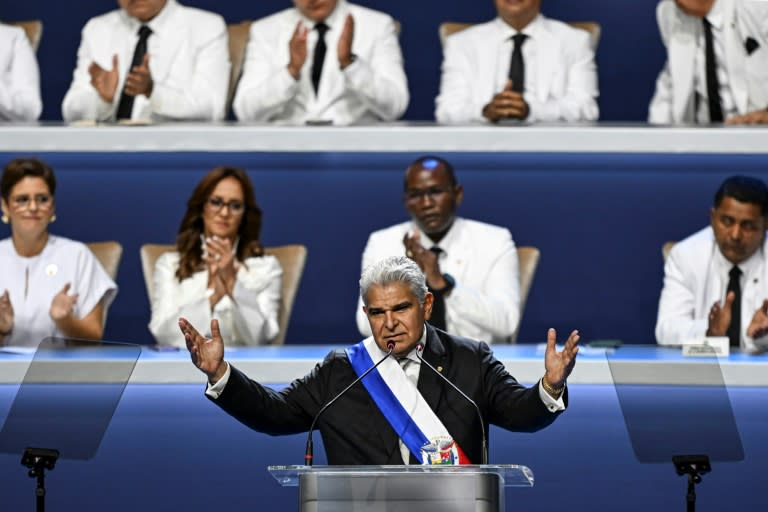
x,y
646,365
405,137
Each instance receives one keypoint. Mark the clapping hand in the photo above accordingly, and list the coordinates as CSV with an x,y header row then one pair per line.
x,y
62,304
6,314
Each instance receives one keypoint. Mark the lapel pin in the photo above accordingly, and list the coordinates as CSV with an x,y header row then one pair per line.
x,y
51,270
440,369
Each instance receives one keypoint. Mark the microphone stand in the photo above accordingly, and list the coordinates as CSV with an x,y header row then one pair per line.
x,y
419,350
309,450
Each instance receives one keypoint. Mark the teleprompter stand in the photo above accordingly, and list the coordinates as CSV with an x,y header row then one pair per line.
x,y
38,460
687,400
65,403
694,466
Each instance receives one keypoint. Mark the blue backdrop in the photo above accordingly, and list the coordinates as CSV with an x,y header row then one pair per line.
x,y
629,57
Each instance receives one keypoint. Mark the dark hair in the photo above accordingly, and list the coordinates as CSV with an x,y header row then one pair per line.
x,y
744,189
188,239
20,168
430,163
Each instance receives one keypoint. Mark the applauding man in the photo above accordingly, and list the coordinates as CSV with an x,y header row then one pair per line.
x,y
716,280
470,266
324,61
150,60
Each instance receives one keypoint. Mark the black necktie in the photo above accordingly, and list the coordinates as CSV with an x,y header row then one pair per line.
x,y
713,87
734,329
516,65
438,305
319,57
125,107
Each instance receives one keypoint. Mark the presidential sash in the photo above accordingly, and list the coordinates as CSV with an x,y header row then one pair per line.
x,y
404,408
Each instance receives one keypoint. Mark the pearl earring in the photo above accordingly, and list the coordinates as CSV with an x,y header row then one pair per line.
x,y
5,219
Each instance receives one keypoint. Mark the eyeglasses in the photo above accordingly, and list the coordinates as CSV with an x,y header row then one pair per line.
x,y
415,195
24,201
235,207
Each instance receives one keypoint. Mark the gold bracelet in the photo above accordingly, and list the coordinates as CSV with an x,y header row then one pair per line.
x,y
549,389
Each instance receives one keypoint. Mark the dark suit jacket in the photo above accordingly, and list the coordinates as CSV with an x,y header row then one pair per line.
x,y
355,432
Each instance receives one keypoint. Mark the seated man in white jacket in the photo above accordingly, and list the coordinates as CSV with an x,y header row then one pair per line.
x,y
520,65
19,77
716,280
324,61
729,37
150,60
471,267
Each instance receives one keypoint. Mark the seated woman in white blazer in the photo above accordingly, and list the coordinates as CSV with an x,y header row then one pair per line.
x,y
219,269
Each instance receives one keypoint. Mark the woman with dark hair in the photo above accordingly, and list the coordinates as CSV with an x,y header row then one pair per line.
x,y
50,285
219,270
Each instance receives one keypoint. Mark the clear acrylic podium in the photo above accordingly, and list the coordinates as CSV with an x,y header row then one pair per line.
x,y
478,488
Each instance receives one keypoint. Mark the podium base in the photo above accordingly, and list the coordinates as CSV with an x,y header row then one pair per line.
x,y
425,492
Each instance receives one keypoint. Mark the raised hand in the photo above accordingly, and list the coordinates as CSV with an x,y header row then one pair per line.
x,y
297,49
720,316
558,365
507,104
207,353
6,314
344,48
139,80
103,80
62,304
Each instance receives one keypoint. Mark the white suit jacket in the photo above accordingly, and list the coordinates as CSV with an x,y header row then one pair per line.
x,y
247,318
188,58
476,66
19,77
674,99
693,282
482,258
373,88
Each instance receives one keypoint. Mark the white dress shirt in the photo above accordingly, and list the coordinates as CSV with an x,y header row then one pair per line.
x,y
188,61
695,277
19,77
372,88
33,282
681,90
485,303
247,318
560,72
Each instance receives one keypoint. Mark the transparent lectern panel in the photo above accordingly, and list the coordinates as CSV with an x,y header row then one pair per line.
x,y
478,488
680,407
68,396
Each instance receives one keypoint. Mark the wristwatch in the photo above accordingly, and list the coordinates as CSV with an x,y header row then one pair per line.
x,y
450,284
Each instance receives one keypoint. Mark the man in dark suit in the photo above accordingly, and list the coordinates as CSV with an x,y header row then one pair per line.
x,y
355,430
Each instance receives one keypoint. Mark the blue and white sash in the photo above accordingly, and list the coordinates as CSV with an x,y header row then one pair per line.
x,y
403,406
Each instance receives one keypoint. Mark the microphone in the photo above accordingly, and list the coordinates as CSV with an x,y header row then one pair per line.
x,y
419,350
309,450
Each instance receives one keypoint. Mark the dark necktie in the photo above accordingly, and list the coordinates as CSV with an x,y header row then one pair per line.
x,y
734,329
319,57
438,305
125,107
713,87
516,65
